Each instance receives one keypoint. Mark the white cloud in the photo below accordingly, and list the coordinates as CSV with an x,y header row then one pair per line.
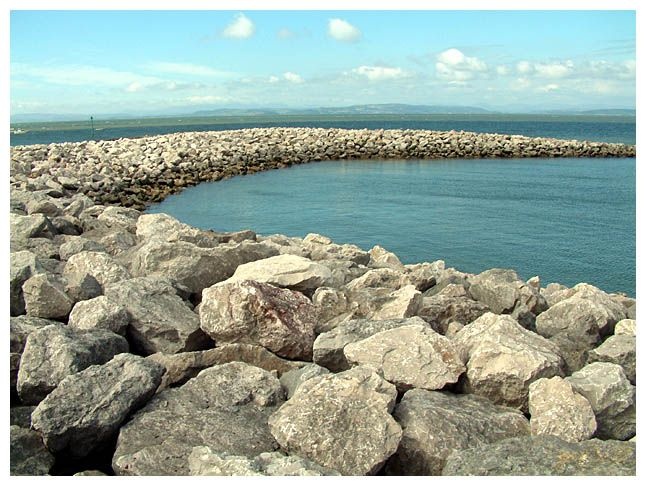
x,y
343,31
453,65
379,73
241,28
503,70
274,79
548,88
184,68
293,77
134,87
554,69
197,100
524,67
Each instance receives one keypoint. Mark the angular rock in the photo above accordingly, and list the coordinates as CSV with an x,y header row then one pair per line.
x,y
544,456
380,258
78,244
87,408
204,462
99,313
451,304
160,321
412,356
328,346
45,297
99,265
292,379
28,454
399,304
556,409
425,275
32,226
251,312
352,433
21,416
379,277
83,287
122,218
224,407
181,367
503,359
286,271
611,396
322,248
626,327
619,349
437,423
166,228
54,352
23,265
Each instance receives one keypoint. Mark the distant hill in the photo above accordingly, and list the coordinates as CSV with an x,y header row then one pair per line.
x,y
607,112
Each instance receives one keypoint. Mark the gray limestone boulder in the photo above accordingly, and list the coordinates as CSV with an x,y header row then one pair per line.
x,y
252,312
398,304
503,359
87,408
557,409
620,349
351,429
22,266
382,258
28,454
544,456
286,271
31,226
124,219
292,379
78,244
626,327
436,423
99,313
164,227
224,407
379,278
321,248
204,462
412,356
160,321
181,367
53,352
105,269
425,275
611,396
332,308
451,304
45,297
328,346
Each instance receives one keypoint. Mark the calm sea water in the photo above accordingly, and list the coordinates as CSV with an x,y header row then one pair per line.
x,y
566,220
599,128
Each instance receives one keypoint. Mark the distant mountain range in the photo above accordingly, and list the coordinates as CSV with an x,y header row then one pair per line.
x,y
371,109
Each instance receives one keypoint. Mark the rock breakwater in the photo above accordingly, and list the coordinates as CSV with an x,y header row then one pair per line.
x,y
143,346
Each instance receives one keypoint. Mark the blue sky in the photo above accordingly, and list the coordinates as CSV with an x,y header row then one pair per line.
x,y
148,62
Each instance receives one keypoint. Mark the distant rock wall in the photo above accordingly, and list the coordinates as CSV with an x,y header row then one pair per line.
x,y
134,172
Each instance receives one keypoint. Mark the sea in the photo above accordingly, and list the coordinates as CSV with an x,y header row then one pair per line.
x,y
565,220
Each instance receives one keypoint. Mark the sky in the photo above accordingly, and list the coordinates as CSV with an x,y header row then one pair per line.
x,y
164,62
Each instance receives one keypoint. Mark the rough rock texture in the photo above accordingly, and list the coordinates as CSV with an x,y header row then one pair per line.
x,y
87,408
287,271
54,352
412,356
503,359
544,456
328,347
321,248
181,367
382,258
45,297
251,312
437,423
99,313
556,409
204,462
399,304
620,349
224,407
353,433
379,277
160,321
627,327
451,304
28,454
611,396
23,265
292,379
99,265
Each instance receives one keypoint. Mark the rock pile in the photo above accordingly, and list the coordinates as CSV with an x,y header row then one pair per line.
x,y
143,346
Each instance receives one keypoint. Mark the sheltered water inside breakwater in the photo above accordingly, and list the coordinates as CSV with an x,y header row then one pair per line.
x,y
567,220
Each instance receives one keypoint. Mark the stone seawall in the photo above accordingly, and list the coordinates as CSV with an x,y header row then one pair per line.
x,y
134,172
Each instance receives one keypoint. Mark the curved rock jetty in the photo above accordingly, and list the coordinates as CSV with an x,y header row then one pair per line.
x,y
140,345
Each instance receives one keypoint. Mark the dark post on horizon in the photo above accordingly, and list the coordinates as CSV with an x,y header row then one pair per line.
x,y
92,125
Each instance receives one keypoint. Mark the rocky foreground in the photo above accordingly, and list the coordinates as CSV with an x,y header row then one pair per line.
x,y
143,346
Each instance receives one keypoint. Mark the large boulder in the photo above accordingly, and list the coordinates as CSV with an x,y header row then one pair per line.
x,y
160,321
124,219
99,313
611,396
328,347
251,312
87,408
503,359
163,227
78,244
293,379
23,265
451,304
379,278
437,423
626,327
412,356
45,297
321,248
620,349
53,352
204,462
28,456
399,304
97,264
31,226
557,409
351,429
544,456
224,407
382,258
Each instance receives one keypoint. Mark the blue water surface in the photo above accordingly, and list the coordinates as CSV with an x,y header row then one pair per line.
x,y
565,220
